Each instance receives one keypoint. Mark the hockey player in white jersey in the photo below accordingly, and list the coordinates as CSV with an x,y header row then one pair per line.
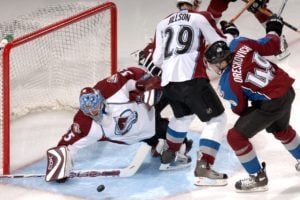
x,y
180,41
113,110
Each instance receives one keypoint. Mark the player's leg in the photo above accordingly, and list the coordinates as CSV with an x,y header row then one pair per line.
x,y
217,7
283,131
159,145
263,114
239,140
174,156
178,126
208,107
241,145
291,141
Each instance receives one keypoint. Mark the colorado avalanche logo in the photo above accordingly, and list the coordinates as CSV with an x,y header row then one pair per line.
x,y
125,121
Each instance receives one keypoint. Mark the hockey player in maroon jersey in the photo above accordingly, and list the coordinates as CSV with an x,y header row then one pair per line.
x,y
116,109
247,76
217,7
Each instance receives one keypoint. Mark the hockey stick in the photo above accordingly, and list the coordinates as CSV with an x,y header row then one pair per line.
x,y
282,7
242,11
130,170
268,13
85,173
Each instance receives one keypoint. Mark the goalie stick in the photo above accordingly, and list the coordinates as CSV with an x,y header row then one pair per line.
x,y
128,171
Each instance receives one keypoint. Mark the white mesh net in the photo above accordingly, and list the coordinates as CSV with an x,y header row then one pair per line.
x,y
49,71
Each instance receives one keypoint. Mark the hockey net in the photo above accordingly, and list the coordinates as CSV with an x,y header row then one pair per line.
x,y
57,50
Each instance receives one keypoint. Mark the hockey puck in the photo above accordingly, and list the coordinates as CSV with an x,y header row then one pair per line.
x,y
100,188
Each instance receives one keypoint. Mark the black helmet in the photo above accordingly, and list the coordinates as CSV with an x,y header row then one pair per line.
x,y
217,52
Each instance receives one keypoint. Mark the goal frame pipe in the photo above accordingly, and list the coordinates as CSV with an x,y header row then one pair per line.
x,y
31,36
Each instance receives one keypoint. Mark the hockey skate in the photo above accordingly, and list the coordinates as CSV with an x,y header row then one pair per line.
x,y
255,183
284,52
205,176
171,160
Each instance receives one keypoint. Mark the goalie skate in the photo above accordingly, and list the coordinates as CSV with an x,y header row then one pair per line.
x,y
284,51
205,176
254,183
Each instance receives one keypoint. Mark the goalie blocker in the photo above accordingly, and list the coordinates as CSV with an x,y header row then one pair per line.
x,y
59,164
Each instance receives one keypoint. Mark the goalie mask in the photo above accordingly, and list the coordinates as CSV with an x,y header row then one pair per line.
x,y
92,103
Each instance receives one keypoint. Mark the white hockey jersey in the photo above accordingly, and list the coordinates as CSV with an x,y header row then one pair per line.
x,y
180,41
124,121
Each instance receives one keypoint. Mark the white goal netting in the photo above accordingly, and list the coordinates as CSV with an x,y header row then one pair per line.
x,y
48,70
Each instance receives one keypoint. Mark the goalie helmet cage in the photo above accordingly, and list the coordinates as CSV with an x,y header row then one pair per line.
x,y
46,67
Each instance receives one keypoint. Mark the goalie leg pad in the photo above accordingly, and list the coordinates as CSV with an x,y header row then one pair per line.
x,y
59,163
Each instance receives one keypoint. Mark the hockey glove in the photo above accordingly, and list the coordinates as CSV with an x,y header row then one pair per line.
x,y
257,4
229,27
144,58
275,24
148,84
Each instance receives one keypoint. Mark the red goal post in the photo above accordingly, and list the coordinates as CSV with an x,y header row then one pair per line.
x,y
62,45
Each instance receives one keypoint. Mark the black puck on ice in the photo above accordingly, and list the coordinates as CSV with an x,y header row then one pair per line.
x,y
100,188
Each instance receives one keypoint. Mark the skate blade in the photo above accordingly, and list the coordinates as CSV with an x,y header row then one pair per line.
x,y
203,181
164,167
257,189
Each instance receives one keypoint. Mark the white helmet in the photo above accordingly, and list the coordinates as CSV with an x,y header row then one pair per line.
x,y
194,3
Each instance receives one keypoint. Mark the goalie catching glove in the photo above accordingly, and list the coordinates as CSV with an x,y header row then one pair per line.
x,y
59,164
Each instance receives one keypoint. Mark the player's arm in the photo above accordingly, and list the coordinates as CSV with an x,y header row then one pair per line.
x,y
141,80
134,82
268,45
120,82
82,133
210,30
